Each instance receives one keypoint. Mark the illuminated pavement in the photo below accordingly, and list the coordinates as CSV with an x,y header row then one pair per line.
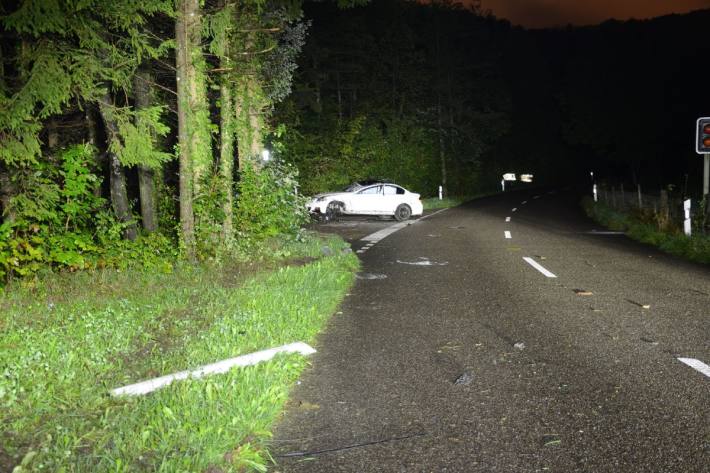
x,y
553,347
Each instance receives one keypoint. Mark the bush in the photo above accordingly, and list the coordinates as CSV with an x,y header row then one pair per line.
x,y
59,223
268,203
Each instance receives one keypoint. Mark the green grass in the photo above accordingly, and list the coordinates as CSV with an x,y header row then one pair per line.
x,y
67,339
695,248
433,203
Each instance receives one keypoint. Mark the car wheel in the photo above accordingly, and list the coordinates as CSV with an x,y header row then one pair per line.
x,y
333,211
403,212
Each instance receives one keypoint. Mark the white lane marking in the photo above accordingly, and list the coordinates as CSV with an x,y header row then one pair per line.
x,y
538,266
507,234
361,251
536,197
507,219
432,214
145,387
515,209
384,233
697,365
524,202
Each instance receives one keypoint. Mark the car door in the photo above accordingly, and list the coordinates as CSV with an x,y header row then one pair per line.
x,y
367,200
392,197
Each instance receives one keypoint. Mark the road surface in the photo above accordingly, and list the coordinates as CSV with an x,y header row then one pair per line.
x,y
511,334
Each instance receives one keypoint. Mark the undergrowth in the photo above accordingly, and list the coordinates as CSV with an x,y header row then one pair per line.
x,y
671,240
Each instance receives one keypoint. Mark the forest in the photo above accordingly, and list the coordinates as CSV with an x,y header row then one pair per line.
x,y
130,129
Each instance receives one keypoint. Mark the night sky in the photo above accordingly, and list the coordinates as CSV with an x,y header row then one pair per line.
x,y
543,13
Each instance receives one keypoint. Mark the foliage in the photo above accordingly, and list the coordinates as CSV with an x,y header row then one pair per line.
x,y
69,338
694,248
64,50
269,203
60,223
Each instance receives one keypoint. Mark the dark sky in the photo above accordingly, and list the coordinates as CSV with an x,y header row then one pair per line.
x,y
542,13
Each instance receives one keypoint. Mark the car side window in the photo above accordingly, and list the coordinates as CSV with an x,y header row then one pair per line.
x,y
391,190
400,191
371,190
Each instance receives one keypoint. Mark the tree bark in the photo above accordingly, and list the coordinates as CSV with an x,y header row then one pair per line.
x,y
226,151
185,37
93,139
146,175
52,135
119,195
7,191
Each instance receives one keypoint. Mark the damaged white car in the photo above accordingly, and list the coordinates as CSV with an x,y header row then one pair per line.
x,y
367,198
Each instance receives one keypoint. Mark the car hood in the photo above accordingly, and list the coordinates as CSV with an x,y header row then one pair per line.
x,y
330,195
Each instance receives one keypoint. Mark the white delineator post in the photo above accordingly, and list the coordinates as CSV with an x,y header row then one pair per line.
x,y
441,192
686,223
594,191
502,184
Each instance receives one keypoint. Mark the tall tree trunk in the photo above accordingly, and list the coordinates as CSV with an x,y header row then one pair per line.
x,y
52,135
226,149
439,113
7,191
119,195
187,36
249,128
92,137
142,95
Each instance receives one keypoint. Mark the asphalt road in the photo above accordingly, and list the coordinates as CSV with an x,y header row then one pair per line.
x,y
454,354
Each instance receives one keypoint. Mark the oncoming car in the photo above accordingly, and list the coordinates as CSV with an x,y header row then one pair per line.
x,y
367,198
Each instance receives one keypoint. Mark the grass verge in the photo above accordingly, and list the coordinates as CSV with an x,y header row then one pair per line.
x,y
67,339
695,248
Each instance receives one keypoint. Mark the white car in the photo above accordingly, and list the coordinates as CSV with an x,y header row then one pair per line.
x,y
367,198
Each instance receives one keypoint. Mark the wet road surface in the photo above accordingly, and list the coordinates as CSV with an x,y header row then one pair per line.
x,y
510,334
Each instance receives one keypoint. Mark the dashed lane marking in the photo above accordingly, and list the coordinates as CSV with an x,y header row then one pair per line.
x,y
524,202
514,209
696,365
538,266
507,234
507,219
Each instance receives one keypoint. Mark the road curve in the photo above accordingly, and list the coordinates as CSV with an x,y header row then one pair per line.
x,y
483,339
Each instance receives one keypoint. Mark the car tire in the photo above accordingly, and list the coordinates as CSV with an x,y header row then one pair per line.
x,y
333,211
403,212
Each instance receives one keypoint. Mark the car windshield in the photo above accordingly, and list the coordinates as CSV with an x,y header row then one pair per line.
x,y
360,184
353,187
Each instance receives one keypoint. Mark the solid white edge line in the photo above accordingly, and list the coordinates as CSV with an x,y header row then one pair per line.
x,y
387,231
538,266
432,214
507,234
696,365
145,387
